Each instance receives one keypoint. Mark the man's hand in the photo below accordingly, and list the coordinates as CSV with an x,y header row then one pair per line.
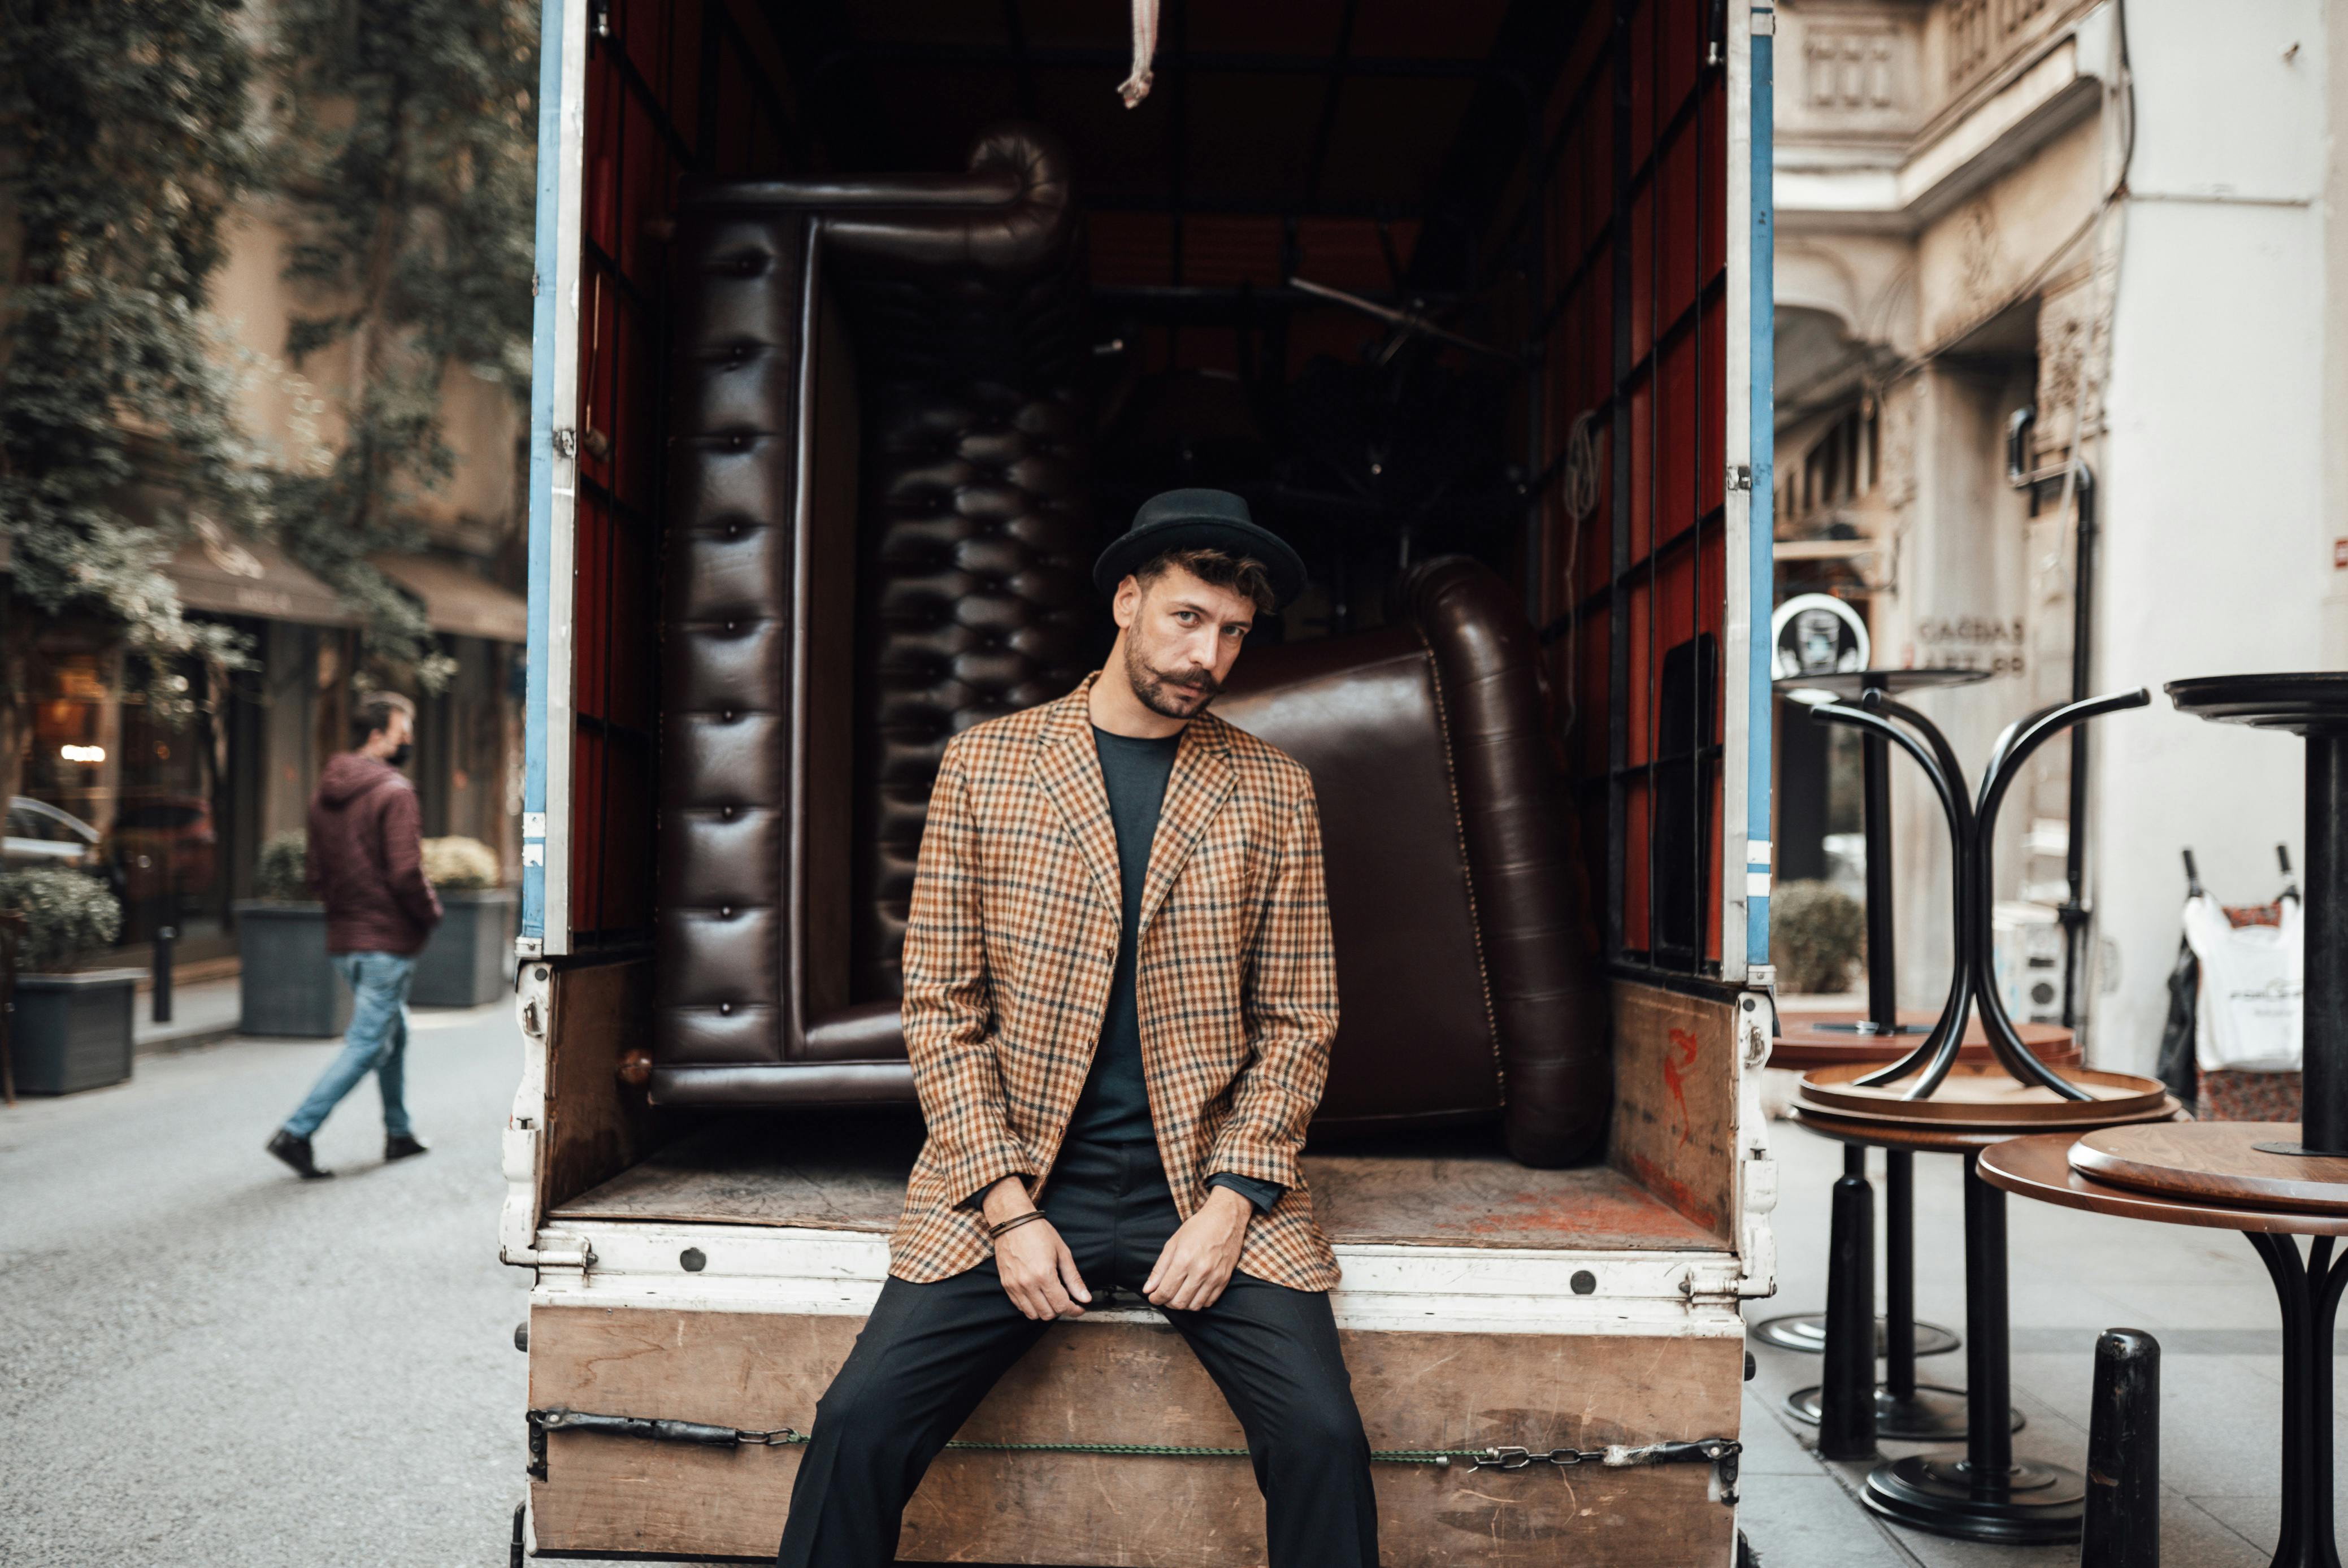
x,y
1199,1258
1038,1271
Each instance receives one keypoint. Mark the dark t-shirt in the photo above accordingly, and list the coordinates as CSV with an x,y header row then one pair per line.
x,y
1114,1104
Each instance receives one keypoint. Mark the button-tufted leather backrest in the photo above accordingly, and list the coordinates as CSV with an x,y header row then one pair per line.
x,y
877,536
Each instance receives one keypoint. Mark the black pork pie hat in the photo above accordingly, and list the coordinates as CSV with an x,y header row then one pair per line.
x,y
1200,519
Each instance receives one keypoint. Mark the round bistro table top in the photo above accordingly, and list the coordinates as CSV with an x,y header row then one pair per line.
x,y
1849,684
1984,1095
1806,1040
2215,1162
1928,1138
2040,1167
2312,702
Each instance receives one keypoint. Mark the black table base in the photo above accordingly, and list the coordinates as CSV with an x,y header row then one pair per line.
x,y
1905,1409
2027,1505
1805,1332
2310,1294
1931,1414
1985,1495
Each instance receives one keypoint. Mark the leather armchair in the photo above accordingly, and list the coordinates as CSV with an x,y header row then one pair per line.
x,y
1467,980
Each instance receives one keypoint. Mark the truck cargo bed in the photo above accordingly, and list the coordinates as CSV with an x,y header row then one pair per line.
x,y
1483,1302
849,1174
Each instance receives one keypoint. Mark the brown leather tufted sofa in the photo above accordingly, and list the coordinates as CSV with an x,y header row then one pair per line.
x,y
879,535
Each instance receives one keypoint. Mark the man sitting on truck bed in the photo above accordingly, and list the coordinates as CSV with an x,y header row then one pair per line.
x,y
1119,996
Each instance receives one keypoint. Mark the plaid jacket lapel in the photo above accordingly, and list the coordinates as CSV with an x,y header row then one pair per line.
x,y
1202,781
1069,771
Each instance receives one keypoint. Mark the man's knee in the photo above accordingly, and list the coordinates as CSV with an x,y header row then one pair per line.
x,y
1322,1427
856,1417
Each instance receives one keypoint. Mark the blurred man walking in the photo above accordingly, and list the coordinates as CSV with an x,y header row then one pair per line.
x,y
366,861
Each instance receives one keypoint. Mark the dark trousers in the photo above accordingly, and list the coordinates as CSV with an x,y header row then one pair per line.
x,y
929,1353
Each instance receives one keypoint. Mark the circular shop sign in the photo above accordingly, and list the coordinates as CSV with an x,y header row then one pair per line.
x,y
1816,635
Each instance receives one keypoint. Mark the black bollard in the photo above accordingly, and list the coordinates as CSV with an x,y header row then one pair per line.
x,y
165,935
2122,1528
1847,1389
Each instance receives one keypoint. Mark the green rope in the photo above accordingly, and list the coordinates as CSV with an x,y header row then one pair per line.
x,y
787,1435
1175,1451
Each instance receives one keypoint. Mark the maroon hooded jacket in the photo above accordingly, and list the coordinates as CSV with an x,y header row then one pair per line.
x,y
366,859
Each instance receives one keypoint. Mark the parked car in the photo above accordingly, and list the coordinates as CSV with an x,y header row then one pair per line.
x,y
166,843
40,834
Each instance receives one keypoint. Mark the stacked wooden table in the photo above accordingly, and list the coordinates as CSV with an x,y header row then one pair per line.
x,y
2218,1174
1905,1408
1878,1036
1934,1101
1984,1494
2271,1181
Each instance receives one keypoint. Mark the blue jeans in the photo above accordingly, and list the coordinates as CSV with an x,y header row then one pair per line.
x,y
377,1042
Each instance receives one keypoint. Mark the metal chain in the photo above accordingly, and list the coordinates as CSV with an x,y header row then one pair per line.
x,y
1709,1450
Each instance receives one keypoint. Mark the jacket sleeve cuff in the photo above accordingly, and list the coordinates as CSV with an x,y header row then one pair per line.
x,y
1001,1164
1263,1195
1253,1159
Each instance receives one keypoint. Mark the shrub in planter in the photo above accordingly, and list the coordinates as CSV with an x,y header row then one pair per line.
x,y
70,1030
286,985
462,865
282,873
470,959
1816,933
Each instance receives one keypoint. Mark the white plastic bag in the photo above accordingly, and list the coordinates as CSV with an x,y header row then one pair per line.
x,y
2252,977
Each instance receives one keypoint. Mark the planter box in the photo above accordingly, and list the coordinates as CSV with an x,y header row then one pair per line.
x,y
72,1032
287,985
470,959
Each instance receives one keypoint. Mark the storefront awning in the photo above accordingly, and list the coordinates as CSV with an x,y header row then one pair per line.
x,y
231,576
456,601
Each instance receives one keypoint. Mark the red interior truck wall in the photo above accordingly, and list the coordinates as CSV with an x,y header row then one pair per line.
x,y
1635,338
677,86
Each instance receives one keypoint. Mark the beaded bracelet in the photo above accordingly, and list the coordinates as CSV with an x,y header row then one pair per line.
x,y
1012,1223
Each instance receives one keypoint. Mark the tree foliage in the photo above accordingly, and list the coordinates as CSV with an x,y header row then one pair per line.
x,y
124,121
408,136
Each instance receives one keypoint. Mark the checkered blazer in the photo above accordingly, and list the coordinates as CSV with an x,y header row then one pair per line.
x,y
1013,941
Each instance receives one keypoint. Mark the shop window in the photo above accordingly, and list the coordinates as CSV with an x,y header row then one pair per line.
x,y
142,792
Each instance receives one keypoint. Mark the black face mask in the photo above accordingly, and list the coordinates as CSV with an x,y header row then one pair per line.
x,y
400,754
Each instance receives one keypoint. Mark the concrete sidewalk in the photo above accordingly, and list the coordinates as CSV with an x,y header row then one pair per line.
x,y
2202,1293
202,1014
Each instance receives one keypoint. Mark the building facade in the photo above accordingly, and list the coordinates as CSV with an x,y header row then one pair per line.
x,y
173,813
2035,259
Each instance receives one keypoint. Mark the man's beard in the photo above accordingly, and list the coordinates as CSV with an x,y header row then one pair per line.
x,y
1168,696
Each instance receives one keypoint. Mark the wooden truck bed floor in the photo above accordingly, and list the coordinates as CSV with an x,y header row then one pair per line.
x,y
847,1174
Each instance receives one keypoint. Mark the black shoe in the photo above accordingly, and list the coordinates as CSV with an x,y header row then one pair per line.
x,y
403,1147
295,1151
